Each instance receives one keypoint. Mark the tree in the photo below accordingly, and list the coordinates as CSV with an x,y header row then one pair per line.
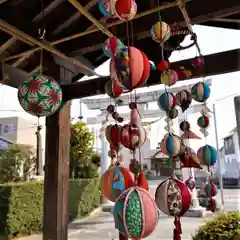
x,y
17,163
81,154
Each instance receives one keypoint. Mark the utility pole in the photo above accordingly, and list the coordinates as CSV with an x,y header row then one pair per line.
x,y
218,155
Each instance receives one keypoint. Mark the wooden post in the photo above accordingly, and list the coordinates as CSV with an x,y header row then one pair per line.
x,y
55,220
55,223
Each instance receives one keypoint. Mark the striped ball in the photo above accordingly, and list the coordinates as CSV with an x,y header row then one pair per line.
x,y
203,121
135,213
169,77
171,145
207,155
166,101
160,32
173,197
200,92
210,190
172,113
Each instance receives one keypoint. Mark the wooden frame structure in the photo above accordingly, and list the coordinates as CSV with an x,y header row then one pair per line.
x,y
72,46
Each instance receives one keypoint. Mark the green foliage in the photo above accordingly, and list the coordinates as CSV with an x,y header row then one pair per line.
x,y
224,226
83,161
16,163
21,205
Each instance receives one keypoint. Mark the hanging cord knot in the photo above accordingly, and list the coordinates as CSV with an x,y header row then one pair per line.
x,y
41,33
178,229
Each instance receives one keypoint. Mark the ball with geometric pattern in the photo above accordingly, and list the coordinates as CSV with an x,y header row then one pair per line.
x,y
40,95
135,213
173,197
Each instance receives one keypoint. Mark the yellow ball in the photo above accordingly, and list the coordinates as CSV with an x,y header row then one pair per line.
x,y
162,31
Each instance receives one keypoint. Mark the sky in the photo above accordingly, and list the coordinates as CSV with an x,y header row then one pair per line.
x,y
211,40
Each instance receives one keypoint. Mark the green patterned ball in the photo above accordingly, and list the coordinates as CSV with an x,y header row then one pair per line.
x,y
135,213
40,95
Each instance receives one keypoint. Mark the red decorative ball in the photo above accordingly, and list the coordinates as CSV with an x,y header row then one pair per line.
x,y
133,136
203,121
173,197
198,61
190,183
132,105
120,119
163,65
110,108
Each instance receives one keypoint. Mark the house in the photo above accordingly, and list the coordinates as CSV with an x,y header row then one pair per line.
x,y
4,143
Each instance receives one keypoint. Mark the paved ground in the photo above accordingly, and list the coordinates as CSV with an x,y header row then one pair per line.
x,y
101,226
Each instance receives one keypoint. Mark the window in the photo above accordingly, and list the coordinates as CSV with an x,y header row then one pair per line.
x,y
8,128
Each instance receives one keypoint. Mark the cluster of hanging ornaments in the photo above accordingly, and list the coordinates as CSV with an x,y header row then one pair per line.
x,y
124,10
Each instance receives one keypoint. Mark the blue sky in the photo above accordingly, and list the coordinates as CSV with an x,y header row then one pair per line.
x,y
211,40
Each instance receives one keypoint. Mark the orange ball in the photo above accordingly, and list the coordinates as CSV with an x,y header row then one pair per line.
x,y
115,181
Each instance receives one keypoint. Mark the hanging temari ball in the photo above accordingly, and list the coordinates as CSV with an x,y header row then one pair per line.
x,y
166,101
203,121
210,190
207,155
115,181
200,92
40,95
169,77
172,113
160,32
135,213
173,197
125,10
171,145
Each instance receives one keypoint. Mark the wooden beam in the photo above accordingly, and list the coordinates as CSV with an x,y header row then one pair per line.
x,y
94,30
55,217
7,44
84,12
47,10
3,1
74,17
42,44
218,63
227,20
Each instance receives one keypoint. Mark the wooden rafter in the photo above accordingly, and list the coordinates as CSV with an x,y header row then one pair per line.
x,y
23,36
74,17
84,12
218,63
7,44
93,30
47,10
227,20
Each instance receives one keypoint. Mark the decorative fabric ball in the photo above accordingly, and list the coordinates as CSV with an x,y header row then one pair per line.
x,y
112,46
133,136
198,61
189,158
112,153
105,7
171,145
166,101
40,95
172,113
112,90
185,126
169,77
115,181
163,66
135,213
210,190
125,10
132,67
207,155
184,99
173,197
190,183
160,32
200,92
203,121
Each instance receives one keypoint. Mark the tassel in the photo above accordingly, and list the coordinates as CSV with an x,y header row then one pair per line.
x,y
178,229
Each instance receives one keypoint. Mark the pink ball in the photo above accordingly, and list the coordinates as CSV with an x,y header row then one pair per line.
x,y
173,197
